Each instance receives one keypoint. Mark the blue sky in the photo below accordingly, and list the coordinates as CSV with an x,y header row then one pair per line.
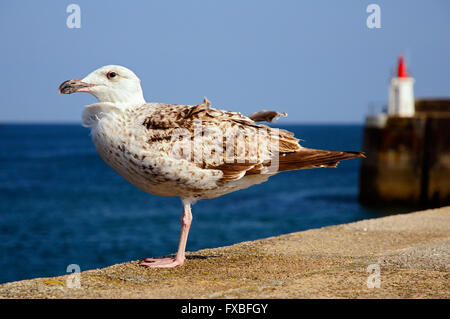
x,y
315,60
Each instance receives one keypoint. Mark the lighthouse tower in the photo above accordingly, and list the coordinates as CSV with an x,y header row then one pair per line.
x,y
401,92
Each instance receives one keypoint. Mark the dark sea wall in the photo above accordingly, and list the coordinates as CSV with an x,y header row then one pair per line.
x,y
408,162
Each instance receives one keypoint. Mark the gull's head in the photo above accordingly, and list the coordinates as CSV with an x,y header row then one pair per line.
x,y
112,83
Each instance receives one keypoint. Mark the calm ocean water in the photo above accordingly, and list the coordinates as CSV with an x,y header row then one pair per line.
x,y
60,204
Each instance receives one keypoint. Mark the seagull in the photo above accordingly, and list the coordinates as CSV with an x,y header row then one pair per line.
x,y
190,151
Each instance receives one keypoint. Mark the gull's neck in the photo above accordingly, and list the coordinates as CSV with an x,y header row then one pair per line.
x,y
93,113
124,100
126,105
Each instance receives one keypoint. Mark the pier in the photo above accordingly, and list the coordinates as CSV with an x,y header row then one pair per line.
x,y
408,150
400,256
408,158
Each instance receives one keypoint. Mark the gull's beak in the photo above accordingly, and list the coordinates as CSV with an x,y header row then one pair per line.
x,y
71,86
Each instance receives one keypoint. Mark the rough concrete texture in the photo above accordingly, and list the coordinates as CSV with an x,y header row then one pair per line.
x,y
411,250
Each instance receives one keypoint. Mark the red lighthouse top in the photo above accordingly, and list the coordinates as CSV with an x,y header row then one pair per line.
x,y
401,70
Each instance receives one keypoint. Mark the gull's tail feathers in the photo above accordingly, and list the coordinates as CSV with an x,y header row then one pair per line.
x,y
311,158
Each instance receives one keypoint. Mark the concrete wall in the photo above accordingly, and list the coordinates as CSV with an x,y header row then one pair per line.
x,y
437,160
408,162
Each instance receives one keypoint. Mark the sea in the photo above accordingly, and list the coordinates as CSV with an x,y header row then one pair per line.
x,y
60,204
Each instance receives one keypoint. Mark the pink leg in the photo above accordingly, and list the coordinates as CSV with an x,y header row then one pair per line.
x,y
178,260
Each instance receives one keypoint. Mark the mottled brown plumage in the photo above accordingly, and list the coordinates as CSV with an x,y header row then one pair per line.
x,y
165,119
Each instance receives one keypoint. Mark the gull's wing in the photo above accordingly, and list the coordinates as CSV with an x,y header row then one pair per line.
x,y
217,140
229,142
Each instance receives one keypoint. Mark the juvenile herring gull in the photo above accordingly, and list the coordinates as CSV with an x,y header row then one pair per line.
x,y
190,151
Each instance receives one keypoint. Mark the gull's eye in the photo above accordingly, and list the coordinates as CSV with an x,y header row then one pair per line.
x,y
111,75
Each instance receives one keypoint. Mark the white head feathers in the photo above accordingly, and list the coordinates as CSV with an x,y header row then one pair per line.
x,y
110,84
